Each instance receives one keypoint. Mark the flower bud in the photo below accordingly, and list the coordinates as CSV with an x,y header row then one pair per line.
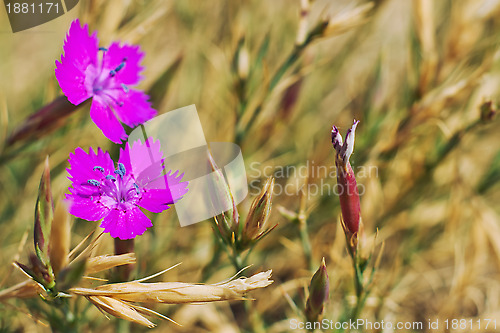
x,y
243,63
227,222
38,271
43,121
318,293
71,274
290,98
348,189
241,60
44,214
347,20
256,222
488,111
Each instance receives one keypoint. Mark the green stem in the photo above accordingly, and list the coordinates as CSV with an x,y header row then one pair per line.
x,y
254,318
237,261
66,322
306,243
359,288
358,279
292,58
214,262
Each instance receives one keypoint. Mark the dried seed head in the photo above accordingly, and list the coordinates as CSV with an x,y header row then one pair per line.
x,y
243,63
25,289
178,292
240,63
305,6
105,262
347,20
318,293
256,222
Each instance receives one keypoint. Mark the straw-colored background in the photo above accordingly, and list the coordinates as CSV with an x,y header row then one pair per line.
x,y
414,72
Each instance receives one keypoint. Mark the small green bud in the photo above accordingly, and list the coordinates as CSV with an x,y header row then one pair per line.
x,y
44,214
38,271
71,274
488,111
227,222
256,223
318,293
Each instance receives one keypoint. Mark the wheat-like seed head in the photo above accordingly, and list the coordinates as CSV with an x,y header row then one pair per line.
x,y
178,292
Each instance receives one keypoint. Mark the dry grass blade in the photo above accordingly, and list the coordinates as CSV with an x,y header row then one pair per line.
x,y
120,309
20,247
80,245
105,262
425,26
4,119
157,274
35,318
60,237
141,25
25,289
87,251
150,312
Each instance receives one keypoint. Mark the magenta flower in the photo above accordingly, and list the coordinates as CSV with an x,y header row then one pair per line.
x,y
99,191
348,192
83,74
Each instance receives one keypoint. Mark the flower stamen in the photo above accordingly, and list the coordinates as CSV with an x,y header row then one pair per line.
x,y
118,68
94,182
111,177
113,99
120,170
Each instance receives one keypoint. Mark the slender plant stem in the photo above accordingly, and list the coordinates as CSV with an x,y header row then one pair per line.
x,y
123,272
306,244
359,288
237,261
292,58
67,322
303,230
212,265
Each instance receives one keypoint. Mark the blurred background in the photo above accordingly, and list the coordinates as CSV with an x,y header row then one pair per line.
x,y
422,77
